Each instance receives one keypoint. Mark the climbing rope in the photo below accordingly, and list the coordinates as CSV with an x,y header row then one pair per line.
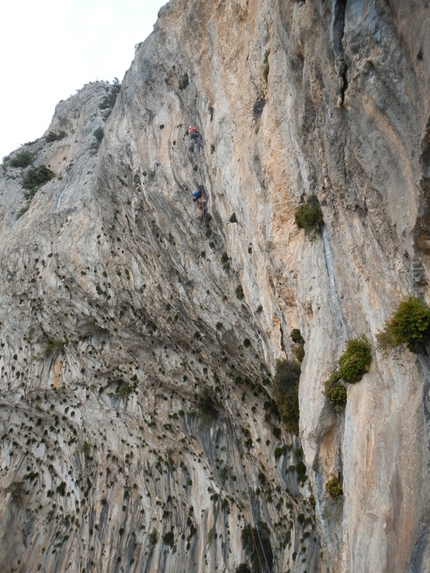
x,y
236,442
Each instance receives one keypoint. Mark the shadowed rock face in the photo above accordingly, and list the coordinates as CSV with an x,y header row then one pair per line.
x,y
138,428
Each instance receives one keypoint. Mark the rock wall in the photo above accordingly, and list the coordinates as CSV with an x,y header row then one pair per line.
x,y
138,430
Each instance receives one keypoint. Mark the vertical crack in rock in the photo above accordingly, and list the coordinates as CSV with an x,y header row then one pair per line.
x,y
338,30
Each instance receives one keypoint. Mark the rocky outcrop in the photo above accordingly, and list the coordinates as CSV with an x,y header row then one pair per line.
x,y
138,343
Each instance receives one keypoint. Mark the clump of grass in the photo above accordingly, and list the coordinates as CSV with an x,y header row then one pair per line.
x,y
335,391
53,345
409,324
286,393
334,488
356,359
310,217
23,210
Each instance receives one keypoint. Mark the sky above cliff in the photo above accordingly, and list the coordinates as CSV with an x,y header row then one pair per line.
x,y
49,49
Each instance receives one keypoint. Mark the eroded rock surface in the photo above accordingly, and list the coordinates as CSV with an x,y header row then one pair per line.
x,y
137,420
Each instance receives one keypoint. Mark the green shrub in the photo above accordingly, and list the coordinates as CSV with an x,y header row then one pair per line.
x,y
123,390
334,488
35,178
52,136
296,336
409,324
169,538
309,217
286,393
233,218
109,100
16,490
356,359
153,537
299,352
246,343
22,159
258,547
335,391
99,134
239,292
53,346
243,568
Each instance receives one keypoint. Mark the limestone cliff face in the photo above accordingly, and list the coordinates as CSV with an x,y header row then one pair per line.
x,y
137,421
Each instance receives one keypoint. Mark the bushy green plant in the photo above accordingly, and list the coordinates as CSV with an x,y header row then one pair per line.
x,y
410,324
110,98
35,178
169,538
52,346
334,488
16,490
356,359
153,537
22,159
239,292
123,390
334,390
296,336
286,393
233,218
99,134
310,217
52,136
257,545
243,568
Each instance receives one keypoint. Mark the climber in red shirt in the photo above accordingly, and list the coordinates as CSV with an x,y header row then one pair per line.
x,y
194,134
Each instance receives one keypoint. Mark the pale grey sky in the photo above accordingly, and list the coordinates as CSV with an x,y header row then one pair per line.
x,y
50,48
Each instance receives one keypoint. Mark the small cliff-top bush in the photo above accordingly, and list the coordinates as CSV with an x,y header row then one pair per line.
x,y
53,136
335,391
22,159
286,393
410,324
334,488
356,359
309,217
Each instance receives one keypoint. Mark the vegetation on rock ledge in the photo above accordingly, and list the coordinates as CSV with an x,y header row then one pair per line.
x,y
410,324
310,218
286,393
